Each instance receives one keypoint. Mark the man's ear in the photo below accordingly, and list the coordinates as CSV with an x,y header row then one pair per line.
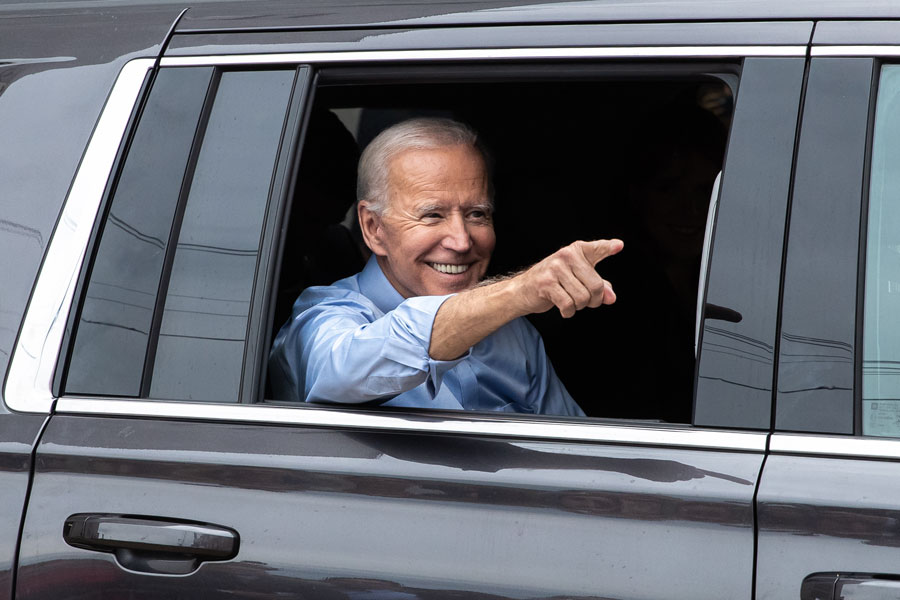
x,y
371,227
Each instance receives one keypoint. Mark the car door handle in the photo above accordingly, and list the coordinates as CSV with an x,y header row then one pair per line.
x,y
151,544
850,586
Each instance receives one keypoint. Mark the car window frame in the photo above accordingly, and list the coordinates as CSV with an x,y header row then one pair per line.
x,y
244,392
30,382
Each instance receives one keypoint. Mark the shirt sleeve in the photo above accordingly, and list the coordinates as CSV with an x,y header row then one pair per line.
x,y
341,351
547,394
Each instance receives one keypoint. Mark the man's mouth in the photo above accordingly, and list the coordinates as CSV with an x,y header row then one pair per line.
x,y
449,269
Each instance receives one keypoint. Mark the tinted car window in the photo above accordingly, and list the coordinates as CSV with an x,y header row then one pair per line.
x,y
117,313
201,339
881,339
738,343
816,364
177,258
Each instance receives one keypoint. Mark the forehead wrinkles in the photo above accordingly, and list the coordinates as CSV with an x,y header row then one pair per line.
x,y
434,177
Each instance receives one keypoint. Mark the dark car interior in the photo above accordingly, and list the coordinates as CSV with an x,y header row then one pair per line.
x,y
576,154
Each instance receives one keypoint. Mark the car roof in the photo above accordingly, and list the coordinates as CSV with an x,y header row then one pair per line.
x,y
224,14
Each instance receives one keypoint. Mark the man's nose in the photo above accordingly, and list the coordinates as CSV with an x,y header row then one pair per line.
x,y
456,235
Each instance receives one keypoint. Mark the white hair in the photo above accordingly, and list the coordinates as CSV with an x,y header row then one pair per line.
x,y
424,133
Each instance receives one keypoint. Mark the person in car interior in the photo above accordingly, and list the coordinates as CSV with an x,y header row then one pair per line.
x,y
417,327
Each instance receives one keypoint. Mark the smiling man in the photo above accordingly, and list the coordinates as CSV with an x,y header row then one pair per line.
x,y
418,327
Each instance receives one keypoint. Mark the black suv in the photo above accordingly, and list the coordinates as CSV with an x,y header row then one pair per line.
x,y
174,175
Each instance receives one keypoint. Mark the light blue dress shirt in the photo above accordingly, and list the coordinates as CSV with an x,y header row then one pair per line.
x,y
359,340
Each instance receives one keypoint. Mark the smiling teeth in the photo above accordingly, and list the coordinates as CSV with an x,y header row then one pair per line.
x,y
450,269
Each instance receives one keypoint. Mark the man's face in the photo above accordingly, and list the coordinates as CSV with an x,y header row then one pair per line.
x,y
437,235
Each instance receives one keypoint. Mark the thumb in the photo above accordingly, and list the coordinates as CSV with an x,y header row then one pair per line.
x,y
597,250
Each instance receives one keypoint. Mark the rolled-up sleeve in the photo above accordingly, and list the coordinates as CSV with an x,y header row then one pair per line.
x,y
344,350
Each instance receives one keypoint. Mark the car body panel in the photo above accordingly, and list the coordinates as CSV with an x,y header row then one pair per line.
x,y
432,523
835,33
827,505
331,503
282,14
794,33
816,367
323,511
736,368
826,514
52,87
18,434
338,510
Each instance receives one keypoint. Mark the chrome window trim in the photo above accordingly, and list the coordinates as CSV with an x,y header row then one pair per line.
x,y
486,54
711,213
30,376
836,446
424,422
872,50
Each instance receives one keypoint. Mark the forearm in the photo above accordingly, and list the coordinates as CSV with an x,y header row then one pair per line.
x,y
351,356
467,318
566,279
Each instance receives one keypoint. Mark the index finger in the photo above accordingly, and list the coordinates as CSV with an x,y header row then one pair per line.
x,y
597,250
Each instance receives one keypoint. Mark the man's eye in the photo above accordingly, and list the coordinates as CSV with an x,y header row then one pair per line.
x,y
479,215
431,216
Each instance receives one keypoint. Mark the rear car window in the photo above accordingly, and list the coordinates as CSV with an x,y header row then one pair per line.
x,y
166,307
881,337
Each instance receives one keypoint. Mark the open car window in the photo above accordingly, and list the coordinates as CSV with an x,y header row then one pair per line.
x,y
583,157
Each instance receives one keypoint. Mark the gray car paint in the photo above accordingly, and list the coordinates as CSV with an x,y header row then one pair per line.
x,y
347,513
423,515
56,69
57,63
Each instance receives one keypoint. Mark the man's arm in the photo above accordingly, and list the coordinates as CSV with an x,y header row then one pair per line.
x,y
340,350
566,279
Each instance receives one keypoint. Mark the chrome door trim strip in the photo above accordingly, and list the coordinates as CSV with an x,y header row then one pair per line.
x,y
542,428
485,54
873,50
835,446
29,379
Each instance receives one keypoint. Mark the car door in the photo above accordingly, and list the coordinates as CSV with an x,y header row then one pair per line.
x,y
52,87
164,472
827,501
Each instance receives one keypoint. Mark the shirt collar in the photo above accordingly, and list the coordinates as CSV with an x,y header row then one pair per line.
x,y
376,287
